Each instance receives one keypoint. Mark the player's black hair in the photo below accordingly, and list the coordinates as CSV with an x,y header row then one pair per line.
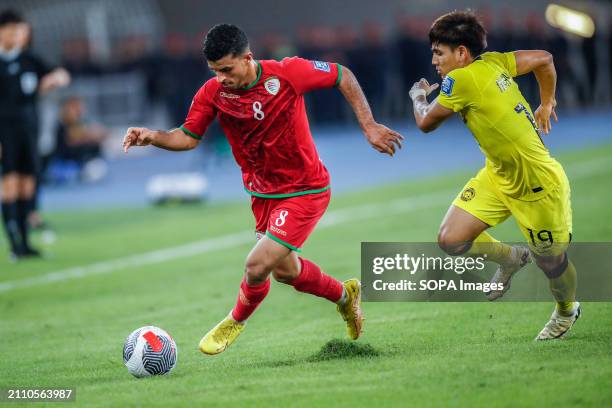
x,y
10,17
224,39
459,28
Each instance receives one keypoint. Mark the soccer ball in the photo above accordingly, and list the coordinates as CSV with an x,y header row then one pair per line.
x,y
149,351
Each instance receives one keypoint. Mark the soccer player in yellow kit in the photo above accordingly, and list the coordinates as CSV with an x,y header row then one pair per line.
x,y
520,178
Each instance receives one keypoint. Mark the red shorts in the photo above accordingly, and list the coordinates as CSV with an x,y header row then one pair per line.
x,y
289,221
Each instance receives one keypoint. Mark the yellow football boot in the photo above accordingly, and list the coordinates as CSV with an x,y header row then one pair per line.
x,y
221,336
351,309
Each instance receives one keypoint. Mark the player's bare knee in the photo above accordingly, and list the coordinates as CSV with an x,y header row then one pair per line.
x,y
26,187
256,271
552,266
451,244
9,192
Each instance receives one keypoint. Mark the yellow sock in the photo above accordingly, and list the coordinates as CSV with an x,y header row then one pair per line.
x,y
563,289
495,250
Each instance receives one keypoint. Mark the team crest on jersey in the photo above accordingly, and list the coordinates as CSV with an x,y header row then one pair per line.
x,y
321,66
447,86
272,85
468,194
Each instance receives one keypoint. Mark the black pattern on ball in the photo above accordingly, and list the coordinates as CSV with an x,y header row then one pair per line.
x,y
130,344
160,362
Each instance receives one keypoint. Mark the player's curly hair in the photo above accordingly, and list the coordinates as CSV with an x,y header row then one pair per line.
x,y
459,28
224,39
10,17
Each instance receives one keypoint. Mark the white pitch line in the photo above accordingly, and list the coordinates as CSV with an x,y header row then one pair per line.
x,y
214,244
332,218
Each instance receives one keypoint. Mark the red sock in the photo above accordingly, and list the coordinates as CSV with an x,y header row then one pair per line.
x,y
249,298
312,280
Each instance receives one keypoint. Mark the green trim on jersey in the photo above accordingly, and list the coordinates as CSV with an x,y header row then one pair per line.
x,y
283,243
252,84
190,133
339,75
299,193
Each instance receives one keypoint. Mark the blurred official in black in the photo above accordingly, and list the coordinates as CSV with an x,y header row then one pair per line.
x,y
22,77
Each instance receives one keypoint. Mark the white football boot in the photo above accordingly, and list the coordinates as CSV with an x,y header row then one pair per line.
x,y
558,325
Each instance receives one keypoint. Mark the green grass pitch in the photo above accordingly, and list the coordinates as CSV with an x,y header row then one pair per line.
x,y
70,333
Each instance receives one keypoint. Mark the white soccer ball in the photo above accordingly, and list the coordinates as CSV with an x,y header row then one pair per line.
x,y
149,351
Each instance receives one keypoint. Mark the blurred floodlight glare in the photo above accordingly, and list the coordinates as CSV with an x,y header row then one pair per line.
x,y
570,20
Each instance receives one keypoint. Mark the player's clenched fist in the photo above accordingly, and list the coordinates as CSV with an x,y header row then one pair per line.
x,y
423,88
137,137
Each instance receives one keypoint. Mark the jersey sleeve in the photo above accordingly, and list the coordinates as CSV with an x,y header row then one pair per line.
x,y
201,114
306,75
505,60
458,91
41,67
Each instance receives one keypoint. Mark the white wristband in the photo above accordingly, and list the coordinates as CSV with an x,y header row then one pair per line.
x,y
414,93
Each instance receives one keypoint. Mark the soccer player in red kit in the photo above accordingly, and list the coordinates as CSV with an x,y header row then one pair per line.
x,y
260,106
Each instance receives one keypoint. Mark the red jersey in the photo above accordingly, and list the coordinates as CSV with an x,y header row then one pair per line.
x,y
267,126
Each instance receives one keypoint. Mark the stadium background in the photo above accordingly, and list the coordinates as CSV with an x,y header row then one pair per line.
x,y
115,263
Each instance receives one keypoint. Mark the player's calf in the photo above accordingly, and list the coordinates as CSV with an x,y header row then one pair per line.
x,y
347,295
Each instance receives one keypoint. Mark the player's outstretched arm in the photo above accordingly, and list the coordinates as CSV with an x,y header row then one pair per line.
x,y
542,65
428,116
380,137
175,140
58,78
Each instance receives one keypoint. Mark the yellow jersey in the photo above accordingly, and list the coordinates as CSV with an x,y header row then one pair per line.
x,y
501,120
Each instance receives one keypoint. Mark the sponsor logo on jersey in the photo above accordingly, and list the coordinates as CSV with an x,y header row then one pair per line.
x,y
447,86
229,95
468,194
503,82
277,230
321,66
272,85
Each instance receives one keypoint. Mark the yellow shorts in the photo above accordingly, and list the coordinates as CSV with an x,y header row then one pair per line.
x,y
546,223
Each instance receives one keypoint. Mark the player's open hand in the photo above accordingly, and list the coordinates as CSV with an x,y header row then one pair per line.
x,y
422,88
383,139
137,137
543,114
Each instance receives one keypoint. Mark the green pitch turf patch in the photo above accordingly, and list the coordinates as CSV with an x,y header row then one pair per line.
x,y
343,349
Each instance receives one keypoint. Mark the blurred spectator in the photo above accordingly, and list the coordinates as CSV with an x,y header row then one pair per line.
x,y
369,63
501,37
181,74
533,37
589,52
558,46
76,58
387,68
413,56
321,43
79,145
